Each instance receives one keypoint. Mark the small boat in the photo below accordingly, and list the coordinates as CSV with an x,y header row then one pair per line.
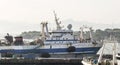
x,y
105,59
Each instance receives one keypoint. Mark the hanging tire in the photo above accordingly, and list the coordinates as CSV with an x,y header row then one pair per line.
x,y
71,49
45,55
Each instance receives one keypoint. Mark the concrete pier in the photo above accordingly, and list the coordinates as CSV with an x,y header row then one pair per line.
x,y
41,61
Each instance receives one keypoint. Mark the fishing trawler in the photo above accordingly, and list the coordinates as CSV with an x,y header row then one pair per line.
x,y
59,42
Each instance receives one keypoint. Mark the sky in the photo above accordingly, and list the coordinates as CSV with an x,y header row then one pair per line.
x,y
17,16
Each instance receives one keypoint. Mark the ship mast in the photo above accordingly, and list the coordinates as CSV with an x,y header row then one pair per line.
x,y
57,21
114,53
91,38
44,34
43,31
81,35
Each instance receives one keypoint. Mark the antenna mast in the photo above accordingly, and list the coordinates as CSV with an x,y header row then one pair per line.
x,y
57,21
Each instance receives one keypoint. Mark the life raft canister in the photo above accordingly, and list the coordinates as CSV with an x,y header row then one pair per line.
x,y
71,49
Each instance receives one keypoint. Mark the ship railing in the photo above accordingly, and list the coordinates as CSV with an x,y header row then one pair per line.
x,y
71,44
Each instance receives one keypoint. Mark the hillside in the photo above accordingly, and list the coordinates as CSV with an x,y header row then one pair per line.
x,y
97,34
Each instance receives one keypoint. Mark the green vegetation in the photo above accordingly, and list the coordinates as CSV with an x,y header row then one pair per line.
x,y
102,34
97,34
30,34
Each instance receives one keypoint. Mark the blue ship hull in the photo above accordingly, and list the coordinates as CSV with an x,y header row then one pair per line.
x,y
89,50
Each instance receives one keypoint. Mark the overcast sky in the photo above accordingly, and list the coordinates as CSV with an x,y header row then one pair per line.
x,y
17,16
